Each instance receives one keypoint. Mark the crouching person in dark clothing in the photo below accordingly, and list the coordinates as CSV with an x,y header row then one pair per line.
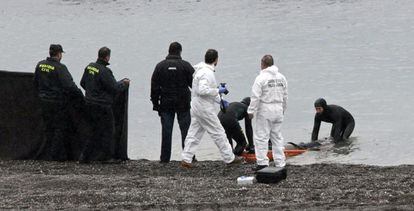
x,y
170,95
100,90
56,89
235,112
342,121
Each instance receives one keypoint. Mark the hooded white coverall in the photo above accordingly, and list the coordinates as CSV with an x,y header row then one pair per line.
x,y
204,104
268,105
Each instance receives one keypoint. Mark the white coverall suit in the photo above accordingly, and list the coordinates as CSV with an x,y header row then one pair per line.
x,y
204,106
268,105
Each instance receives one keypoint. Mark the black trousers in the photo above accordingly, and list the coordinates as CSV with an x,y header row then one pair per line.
x,y
234,132
167,123
56,124
100,144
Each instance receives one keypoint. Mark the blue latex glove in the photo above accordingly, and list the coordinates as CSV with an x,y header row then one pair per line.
x,y
222,89
225,103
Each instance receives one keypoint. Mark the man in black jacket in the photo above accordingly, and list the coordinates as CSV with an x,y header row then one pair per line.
x,y
230,118
342,121
56,90
170,94
100,89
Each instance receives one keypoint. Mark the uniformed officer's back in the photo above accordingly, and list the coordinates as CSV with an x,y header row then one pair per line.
x,y
99,82
56,91
100,89
52,78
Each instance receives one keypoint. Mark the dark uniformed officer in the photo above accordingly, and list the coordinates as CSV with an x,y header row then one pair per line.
x,y
342,121
235,112
56,89
100,89
170,95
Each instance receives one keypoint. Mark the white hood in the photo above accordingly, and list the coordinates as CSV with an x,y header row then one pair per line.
x,y
202,65
271,70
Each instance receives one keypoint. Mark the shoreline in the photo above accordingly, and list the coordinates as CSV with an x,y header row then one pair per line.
x,y
143,184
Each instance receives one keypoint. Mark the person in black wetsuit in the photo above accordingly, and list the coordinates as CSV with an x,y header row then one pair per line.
x,y
342,121
230,118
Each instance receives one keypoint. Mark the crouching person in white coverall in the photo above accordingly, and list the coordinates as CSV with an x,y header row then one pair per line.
x,y
204,106
268,105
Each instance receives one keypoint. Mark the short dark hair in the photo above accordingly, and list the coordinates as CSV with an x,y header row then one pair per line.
x,y
211,56
267,60
175,48
104,52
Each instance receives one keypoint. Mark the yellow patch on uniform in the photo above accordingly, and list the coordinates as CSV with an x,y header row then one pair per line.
x,y
92,70
46,68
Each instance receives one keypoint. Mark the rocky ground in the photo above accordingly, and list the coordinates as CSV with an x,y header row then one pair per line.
x,y
211,185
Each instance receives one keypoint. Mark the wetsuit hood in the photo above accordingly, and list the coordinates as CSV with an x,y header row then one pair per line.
x,y
246,101
321,103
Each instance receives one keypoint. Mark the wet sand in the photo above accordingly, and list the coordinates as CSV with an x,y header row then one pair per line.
x,y
211,185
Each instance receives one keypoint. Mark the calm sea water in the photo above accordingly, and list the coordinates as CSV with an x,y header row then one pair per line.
x,y
358,54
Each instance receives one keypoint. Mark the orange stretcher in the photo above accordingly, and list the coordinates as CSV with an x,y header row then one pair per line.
x,y
251,157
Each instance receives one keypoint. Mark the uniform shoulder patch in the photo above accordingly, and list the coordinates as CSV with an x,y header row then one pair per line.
x,y
46,68
92,70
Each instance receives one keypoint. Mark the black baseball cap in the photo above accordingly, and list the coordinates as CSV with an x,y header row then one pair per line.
x,y
56,48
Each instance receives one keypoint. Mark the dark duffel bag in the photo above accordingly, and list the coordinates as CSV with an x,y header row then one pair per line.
x,y
271,175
